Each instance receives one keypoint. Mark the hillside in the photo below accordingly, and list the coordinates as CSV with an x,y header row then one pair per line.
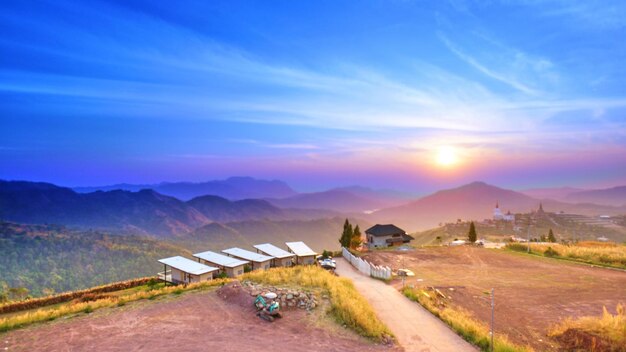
x,y
48,258
145,211
556,193
475,201
565,227
615,196
319,234
223,210
337,199
233,188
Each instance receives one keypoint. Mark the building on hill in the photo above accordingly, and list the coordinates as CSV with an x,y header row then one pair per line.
x,y
231,266
259,261
497,214
281,256
304,254
185,271
380,236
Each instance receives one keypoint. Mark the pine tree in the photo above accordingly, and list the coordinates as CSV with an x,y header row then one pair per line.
x,y
346,236
551,237
355,241
471,235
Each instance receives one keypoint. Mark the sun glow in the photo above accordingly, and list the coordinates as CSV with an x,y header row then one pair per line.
x,y
446,157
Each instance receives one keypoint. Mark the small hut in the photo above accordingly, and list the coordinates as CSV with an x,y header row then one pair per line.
x,y
185,271
229,265
304,254
259,261
281,256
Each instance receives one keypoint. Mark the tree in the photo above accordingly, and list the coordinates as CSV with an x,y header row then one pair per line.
x,y
471,235
542,238
551,237
346,236
355,241
18,293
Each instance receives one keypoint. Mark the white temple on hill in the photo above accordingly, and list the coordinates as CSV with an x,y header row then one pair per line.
x,y
497,214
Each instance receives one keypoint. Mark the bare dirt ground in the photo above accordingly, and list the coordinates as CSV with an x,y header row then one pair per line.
x,y
424,333
532,293
222,320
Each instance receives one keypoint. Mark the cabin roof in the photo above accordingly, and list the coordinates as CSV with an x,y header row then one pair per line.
x,y
220,259
187,265
274,251
300,249
247,255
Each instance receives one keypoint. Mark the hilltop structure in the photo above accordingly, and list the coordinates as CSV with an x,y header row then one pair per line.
x,y
380,236
497,214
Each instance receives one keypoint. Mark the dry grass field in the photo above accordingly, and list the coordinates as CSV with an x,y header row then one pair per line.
x,y
533,294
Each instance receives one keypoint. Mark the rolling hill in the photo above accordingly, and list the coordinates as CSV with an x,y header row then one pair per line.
x,y
233,188
349,200
222,210
142,212
615,196
52,258
145,211
319,234
475,201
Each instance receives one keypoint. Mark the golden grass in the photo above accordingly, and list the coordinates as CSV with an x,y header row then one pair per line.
x,y
611,327
43,314
462,321
589,252
347,305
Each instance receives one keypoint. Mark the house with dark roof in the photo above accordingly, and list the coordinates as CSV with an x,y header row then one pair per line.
x,y
380,236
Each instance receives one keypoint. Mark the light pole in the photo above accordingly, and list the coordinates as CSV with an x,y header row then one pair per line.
x,y
492,317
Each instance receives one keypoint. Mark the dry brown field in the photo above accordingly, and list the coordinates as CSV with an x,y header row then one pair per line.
x,y
222,320
531,293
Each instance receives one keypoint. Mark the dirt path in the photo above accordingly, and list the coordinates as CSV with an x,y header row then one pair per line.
x,y
415,328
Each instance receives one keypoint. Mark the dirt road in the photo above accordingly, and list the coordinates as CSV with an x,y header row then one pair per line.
x,y
415,328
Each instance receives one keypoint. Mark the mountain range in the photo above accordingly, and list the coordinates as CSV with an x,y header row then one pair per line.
x,y
476,201
233,188
144,212
150,212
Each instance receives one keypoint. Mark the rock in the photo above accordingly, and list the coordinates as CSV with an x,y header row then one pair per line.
x,y
290,296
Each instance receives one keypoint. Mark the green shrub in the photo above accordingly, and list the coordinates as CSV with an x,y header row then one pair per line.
x,y
550,252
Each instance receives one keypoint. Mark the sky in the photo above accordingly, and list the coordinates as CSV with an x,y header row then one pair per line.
x,y
408,95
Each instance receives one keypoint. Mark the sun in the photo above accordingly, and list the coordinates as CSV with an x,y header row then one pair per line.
x,y
446,157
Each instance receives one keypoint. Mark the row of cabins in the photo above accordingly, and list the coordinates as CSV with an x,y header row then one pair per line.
x,y
232,262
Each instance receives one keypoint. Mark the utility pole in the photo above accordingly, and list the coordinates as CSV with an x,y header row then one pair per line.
x,y
528,238
403,276
492,319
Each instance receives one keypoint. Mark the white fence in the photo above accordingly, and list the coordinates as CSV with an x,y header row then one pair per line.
x,y
381,272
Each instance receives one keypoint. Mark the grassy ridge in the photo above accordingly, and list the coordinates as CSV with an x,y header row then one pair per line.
x,y
46,314
68,296
463,323
347,305
598,253
611,328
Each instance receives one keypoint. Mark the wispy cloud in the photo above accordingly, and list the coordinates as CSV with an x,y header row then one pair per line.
x,y
510,81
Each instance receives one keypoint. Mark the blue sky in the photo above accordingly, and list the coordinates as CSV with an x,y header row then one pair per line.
x,y
320,93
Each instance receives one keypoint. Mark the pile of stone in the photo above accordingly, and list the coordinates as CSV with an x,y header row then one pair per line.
x,y
287,297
